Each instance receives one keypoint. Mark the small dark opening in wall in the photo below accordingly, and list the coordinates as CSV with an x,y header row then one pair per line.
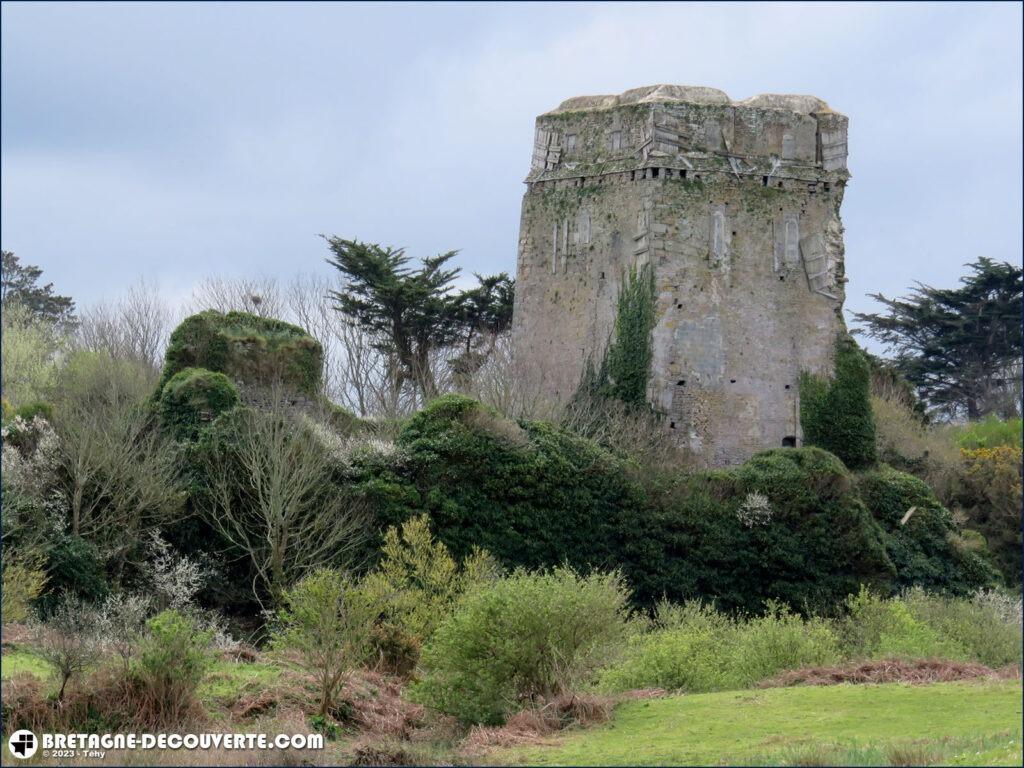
x,y
697,177
679,306
732,381
789,441
602,275
681,383
764,181
828,186
671,425
633,176
782,277
682,174
734,233
787,386
780,185
654,173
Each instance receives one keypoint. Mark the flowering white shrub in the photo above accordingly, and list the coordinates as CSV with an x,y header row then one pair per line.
x,y
31,473
755,510
346,448
122,620
175,578
1007,607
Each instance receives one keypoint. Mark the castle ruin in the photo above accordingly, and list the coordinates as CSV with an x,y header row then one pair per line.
x,y
735,206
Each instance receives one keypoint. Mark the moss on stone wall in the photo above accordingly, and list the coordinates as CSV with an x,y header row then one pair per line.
x,y
252,350
835,413
194,397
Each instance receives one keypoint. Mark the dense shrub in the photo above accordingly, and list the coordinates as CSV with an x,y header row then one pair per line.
x,y
326,622
791,525
535,496
530,494
75,566
920,625
907,443
879,628
173,659
194,397
525,638
811,544
835,413
989,493
921,537
981,624
694,648
23,582
414,587
255,350
992,432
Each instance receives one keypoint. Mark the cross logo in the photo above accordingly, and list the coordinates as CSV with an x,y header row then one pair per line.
x,y
23,744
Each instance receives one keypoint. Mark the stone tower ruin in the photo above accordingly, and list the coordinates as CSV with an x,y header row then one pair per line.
x,y
735,206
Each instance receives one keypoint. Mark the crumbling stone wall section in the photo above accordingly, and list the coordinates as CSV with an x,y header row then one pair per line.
x,y
736,207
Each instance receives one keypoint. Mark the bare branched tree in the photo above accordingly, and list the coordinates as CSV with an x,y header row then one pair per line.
x,y
514,390
120,475
260,296
69,639
274,495
135,327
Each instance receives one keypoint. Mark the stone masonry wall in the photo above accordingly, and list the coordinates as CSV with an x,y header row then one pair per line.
x,y
736,206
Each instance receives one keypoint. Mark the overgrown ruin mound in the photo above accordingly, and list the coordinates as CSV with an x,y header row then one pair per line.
x,y
251,351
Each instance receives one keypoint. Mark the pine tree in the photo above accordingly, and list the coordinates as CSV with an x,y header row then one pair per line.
x,y
960,347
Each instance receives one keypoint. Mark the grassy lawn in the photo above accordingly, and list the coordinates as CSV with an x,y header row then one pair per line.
x,y
951,723
14,662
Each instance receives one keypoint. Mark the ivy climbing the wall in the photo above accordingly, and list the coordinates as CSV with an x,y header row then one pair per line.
x,y
836,413
626,365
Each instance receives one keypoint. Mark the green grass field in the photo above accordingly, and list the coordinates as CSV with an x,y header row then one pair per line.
x,y
970,723
946,723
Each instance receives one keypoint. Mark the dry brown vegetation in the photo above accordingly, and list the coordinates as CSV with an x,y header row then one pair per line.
x,y
917,672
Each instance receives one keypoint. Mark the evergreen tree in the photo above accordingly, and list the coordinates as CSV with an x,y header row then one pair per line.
x,y
960,347
413,312
19,283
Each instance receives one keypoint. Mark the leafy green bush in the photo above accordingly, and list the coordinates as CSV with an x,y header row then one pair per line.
x,y
976,624
255,350
525,638
23,582
173,659
530,494
535,496
835,413
921,537
810,545
992,432
193,398
75,566
989,493
694,648
415,586
879,628
326,621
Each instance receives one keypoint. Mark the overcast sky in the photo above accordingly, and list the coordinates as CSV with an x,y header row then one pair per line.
x,y
179,141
